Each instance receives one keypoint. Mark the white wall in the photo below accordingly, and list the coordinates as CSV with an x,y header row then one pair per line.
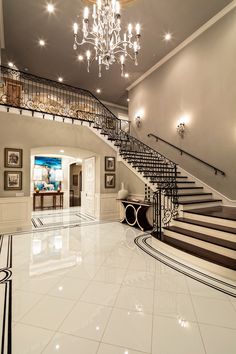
x,y
198,82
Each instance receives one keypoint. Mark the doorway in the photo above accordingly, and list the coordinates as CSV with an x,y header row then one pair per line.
x,y
75,184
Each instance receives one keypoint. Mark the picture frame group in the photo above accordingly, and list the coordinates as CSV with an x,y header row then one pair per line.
x,y
13,158
110,178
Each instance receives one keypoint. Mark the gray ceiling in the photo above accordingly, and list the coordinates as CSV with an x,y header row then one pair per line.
x,y
25,21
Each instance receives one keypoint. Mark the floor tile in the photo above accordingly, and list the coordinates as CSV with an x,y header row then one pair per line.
x,y
142,262
171,282
129,329
69,288
197,288
39,284
110,275
22,302
29,340
111,349
175,305
134,299
66,344
218,340
87,321
83,271
48,313
101,293
214,311
140,279
171,336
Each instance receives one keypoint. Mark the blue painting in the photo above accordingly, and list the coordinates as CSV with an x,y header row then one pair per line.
x,y
46,172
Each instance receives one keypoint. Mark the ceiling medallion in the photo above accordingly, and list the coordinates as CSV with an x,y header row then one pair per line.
x,y
103,33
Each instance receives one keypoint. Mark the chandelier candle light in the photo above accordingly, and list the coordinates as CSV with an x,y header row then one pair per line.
x,y
103,34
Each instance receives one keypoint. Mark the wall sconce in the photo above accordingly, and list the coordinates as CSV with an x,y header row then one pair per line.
x,y
138,121
181,129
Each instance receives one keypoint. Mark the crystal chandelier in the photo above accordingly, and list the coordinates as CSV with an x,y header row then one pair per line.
x,y
104,35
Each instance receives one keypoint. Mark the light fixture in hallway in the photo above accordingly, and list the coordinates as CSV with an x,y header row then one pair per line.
x,y
42,43
167,36
60,79
103,33
50,8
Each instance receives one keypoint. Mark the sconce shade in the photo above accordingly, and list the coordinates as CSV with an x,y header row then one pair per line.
x,y
138,121
38,174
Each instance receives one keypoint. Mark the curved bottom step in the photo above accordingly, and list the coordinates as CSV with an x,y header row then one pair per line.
x,y
210,274
200,252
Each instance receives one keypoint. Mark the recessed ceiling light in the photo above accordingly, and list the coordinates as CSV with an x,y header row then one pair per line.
x,y
62,151
98,91
60,79
126,75
10,64
80,57
50,8
128,99
42,42
167,36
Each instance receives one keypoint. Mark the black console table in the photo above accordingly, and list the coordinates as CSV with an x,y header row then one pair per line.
x,y
135,214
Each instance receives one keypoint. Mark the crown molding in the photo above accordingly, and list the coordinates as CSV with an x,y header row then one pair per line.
x,y
188,40
111,104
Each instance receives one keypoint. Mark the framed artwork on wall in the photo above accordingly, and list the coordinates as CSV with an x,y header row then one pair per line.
x,y
12,180
110,180
110,163
13,158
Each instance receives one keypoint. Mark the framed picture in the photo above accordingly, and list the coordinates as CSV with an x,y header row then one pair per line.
x,y
75,180
110,180
110,163
13,158
12,180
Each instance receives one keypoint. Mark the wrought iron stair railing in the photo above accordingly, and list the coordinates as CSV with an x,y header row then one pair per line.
x,y
25,91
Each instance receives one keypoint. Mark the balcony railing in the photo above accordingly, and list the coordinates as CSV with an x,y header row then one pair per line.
x,y
36,94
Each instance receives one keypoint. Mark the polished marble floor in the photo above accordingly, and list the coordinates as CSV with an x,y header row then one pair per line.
x,y
59,218
91,290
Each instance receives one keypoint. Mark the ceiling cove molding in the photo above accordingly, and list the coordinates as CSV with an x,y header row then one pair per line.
x,y
188,40
2,37
115,105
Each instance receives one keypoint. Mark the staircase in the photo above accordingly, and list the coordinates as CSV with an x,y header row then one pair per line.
x,y
196,232
183,211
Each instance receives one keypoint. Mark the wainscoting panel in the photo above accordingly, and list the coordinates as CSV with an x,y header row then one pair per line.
x,y
107,206
15,211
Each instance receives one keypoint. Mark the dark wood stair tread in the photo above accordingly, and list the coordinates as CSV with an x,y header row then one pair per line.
x,y
198,201
221,212
203,237
208,225
200,252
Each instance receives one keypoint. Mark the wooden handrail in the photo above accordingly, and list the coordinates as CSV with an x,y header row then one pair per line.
x,y
187,153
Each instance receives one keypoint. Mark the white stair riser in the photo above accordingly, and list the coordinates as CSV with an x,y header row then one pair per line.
x,y
204,230
202,244
212,220
201,205
195,197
